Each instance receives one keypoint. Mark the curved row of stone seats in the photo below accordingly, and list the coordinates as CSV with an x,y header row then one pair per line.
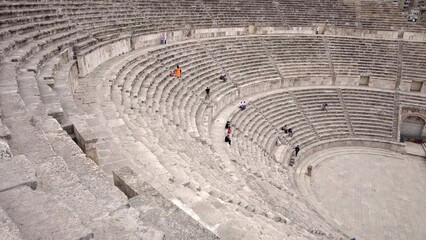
x,y
146,82
331,12
371,17
300,58
171,139
371,113
73,198
416,100
253,126
364,57
282,109
246,62
106,20
191,169
174,14
349,115
412,58
260,13
66,179
329,123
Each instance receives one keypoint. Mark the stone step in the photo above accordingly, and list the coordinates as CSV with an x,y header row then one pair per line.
x,y
157,212
18,172
42,216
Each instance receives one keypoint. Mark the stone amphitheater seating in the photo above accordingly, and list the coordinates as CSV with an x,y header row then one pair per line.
x,y
69,136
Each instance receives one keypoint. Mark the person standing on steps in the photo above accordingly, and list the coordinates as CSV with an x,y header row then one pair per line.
x,y
178,71
228,125
290,132
243,105
163,38
296,150
207,92
228,139
285,129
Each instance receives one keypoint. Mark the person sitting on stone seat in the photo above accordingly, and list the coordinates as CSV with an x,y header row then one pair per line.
x,y
207,92
290,132
228,139
228,125
285,129
324,106
178,71
243,105
223,77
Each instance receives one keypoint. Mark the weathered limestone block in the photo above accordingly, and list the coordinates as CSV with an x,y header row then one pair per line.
x,y
156,211
8,229
4,132
93,57
86,139
41,216
17,171
4,149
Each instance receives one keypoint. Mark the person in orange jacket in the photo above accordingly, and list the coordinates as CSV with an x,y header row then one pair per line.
x,y
178,71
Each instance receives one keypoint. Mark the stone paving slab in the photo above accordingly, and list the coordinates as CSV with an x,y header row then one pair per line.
x,y
374,196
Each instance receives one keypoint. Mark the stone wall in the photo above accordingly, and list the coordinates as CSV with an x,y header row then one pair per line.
x,y
93,57
414,36
73,77
361,33
352,142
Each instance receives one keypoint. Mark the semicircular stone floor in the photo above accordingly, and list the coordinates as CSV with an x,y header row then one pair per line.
x,y
373,194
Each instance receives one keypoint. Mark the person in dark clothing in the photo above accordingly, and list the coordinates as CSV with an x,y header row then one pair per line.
x,y
290,132
243,105
324,106
228,139
223,77
285,129
296,150
207,92
228,125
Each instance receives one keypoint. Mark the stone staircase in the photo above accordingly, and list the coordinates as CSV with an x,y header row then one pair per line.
x,y
351,129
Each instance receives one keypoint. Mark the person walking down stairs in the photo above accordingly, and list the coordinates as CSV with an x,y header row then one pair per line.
x,y
296,150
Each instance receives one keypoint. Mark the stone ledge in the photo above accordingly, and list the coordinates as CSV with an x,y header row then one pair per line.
x,y
17,172
157,211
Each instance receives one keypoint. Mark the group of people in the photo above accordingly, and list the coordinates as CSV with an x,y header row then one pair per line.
x,y
228,132
177,72
287,130
242,105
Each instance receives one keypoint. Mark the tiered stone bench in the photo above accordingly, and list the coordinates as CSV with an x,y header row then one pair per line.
x,y
62,137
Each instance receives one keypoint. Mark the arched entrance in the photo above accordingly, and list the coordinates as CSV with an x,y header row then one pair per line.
x,y
412,127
